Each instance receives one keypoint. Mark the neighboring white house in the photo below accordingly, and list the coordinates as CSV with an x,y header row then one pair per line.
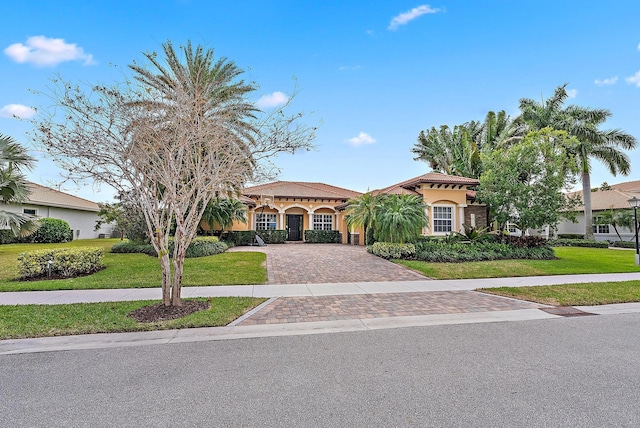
x,y
615,197
81,214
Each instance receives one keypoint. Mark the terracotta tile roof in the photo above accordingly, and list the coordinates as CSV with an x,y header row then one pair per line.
x,y
45,196
428,178
616,198
301,189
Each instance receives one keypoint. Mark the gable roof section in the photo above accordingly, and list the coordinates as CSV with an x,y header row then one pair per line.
x,y
408,186
301,189
616,198
45,196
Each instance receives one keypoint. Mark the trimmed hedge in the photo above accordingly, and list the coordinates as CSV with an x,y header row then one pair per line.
x,y
388,250
578,243
201,246
322,237
570,236
624,244
52,230
246,237
66,262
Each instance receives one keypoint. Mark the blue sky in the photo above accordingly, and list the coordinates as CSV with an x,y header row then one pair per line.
x,y
372,74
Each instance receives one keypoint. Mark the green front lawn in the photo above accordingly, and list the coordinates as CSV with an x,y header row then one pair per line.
x,y
83,318
574,294
570,260
136,270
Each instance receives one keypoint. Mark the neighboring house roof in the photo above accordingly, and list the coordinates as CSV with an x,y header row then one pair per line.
x,y
301,189
617,197
45,196
433,178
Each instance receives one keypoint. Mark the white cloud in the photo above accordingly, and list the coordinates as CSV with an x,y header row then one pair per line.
x,y
362,138
272,100
572,93
634,80
17,110
639,46
43,51
408,16
608,81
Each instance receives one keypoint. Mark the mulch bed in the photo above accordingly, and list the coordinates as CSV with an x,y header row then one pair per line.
x,y
160,312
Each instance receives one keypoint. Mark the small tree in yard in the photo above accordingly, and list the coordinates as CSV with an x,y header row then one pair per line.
x,y
182,132
523,184
400,218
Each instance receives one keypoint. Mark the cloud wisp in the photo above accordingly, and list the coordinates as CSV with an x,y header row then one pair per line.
x,y
634,80
362,138
572,93
17,111
275,99
408,16
608,81
47,52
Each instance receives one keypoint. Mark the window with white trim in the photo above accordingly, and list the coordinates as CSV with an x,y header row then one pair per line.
x,y
30,211
512,227
442,219
323,222
599,228
265,222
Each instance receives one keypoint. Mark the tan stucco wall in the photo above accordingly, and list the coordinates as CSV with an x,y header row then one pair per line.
x,y
455,197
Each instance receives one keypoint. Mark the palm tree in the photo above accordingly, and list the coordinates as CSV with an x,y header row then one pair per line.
x,y
361,212
223,212
582,123
14,188
400,218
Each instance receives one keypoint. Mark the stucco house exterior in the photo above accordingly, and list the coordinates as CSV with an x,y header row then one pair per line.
x,y
81,214
615,197
296,206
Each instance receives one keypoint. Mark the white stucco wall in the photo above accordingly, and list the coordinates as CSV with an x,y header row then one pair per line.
x,y
81,222
578,228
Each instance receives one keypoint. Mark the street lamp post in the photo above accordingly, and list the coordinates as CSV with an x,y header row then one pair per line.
x,y
635,203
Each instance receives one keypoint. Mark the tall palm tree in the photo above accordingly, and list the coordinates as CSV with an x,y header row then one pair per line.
x,y
583,123
14,159
400,218
361,212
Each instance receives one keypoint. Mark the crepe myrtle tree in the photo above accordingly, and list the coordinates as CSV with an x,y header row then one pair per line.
x,y
179,132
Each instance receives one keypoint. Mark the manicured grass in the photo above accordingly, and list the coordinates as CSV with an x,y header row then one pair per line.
x,y
570,260
83,318
574,294
136,270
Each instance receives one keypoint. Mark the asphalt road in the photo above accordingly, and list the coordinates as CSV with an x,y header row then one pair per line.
x,y
562,372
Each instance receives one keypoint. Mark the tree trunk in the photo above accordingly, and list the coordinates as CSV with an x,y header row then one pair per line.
x,y
586,198
166,279
179,253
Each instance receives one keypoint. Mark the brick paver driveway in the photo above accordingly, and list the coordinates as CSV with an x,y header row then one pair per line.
x,y
328,263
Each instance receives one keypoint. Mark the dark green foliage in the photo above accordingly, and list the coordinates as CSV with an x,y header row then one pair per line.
x,y
52,230
242,237
199,247
624,244
7,237
65,262
388,250
523,241
247,237
578,243
370,236
322,237
273,236
474,233
570,236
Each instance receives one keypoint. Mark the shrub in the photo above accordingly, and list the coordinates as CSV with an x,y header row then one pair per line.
x,y
523,241
52,230
246,237
65,262
7,237
322,237
388,250
201,246
439,250
578,243
132,247
570,236
273,236
624,244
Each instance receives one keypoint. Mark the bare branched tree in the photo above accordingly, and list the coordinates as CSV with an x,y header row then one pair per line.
x,y
181,132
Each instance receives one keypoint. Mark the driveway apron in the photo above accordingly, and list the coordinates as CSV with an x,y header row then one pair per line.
x,y
328,263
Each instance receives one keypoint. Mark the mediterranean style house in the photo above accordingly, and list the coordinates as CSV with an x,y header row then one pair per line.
x,y
296,206
81,214
615,196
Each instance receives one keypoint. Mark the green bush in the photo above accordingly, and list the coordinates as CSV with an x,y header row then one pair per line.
x,y
322,237
247,237
52,230
578,243
242,237
570,236
624,244
388,250
201,246
65,262
7,237
440,250
273,236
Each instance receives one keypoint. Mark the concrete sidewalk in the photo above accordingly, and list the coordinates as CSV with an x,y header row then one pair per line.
x,y
300,290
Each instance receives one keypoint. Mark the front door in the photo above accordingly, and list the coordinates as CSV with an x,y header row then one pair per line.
x,y
294,227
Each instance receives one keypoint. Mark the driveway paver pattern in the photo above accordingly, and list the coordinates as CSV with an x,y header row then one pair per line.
x,y
328,263
363,306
